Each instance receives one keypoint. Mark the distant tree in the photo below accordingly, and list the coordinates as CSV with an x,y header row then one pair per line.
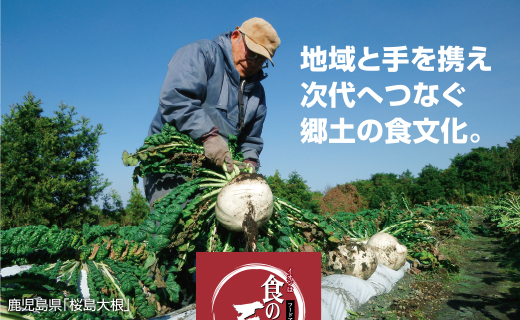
x,y
381,179
428,185
484,171
452,184
295,190
276,184
48,167
512,158
114,211
472,178
381,196
405,183
366,189
406,175
136,210
384,184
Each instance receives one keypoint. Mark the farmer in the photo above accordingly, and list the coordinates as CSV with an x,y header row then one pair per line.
x,y
212,89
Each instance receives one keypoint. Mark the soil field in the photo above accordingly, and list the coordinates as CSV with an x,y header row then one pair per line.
x,y
484,288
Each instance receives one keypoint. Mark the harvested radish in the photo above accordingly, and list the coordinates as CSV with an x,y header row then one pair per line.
x,y
389,251
246,195
353,258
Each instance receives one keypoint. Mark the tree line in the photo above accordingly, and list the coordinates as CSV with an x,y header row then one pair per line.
x,y
49,176
471,179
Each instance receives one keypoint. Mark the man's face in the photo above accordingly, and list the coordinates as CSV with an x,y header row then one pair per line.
x,y
245,67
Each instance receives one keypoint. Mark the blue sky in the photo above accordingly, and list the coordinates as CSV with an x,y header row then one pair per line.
x,y
109,59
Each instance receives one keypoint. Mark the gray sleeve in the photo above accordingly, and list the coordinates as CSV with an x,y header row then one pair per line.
x,y
184,90
252,144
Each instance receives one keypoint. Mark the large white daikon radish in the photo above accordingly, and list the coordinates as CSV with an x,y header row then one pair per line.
x,y
388,250
353,258
248,194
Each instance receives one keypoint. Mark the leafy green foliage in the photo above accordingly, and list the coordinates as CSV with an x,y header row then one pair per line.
x,y
419,228
48,166
504,212
362,224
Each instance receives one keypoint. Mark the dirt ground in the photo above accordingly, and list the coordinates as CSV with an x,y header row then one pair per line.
x,y
484,288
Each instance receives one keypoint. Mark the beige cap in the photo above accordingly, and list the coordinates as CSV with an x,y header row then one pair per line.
x,y
261,37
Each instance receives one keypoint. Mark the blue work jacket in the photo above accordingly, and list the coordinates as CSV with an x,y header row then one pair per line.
x,y
201,91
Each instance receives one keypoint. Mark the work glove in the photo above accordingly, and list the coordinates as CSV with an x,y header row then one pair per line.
x,y
217,151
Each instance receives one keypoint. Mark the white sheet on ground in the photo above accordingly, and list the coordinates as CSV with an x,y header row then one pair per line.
x,y
340,293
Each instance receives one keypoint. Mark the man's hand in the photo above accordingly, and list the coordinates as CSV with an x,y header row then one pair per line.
x,y
253,163
217,151
249,163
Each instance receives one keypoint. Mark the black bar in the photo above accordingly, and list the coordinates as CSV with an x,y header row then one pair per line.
x,y
290,308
